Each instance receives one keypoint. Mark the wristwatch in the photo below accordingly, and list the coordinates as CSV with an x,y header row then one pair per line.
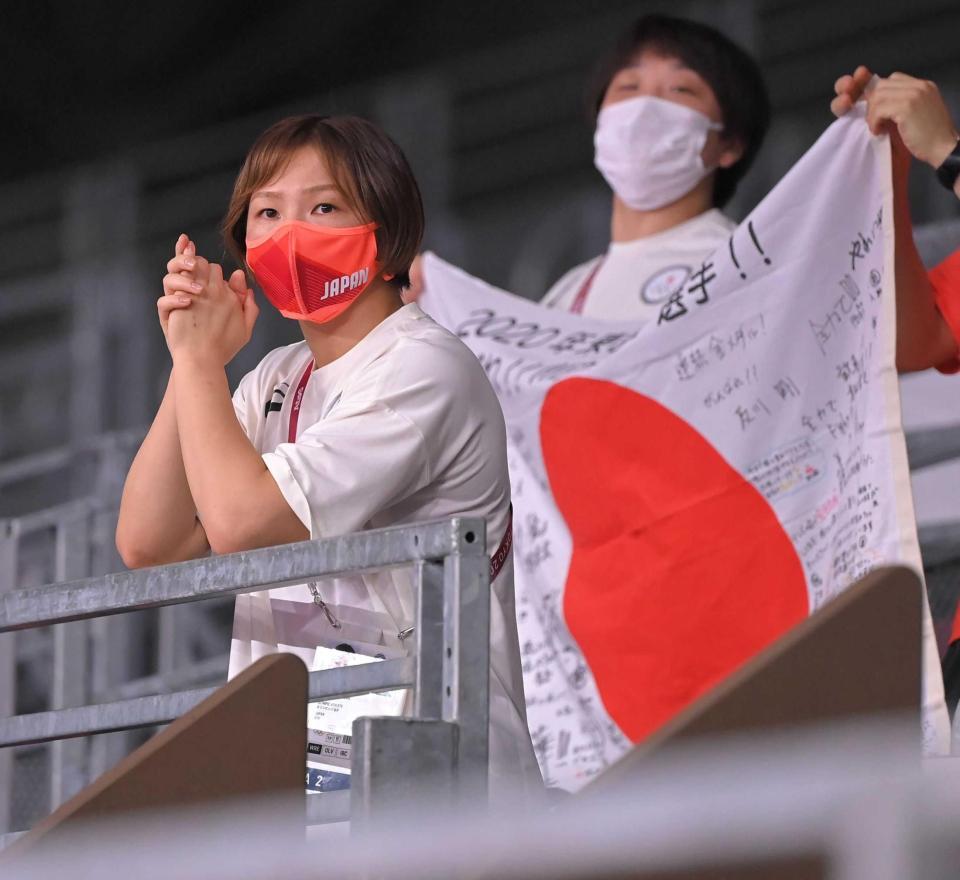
x,y
948,172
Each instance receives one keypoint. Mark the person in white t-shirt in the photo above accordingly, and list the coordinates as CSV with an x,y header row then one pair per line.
x,y
681,113
378,417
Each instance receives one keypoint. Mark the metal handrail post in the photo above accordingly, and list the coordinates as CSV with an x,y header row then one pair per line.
x,y
466,695
430,642
397,761
9,542
68,759
442,754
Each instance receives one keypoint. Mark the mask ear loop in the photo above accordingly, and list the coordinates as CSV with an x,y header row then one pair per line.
x,y
717,127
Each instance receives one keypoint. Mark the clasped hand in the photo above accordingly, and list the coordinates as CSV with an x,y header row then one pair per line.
x,y
203,314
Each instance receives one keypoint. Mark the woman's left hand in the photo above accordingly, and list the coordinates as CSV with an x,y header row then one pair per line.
x,y
217,323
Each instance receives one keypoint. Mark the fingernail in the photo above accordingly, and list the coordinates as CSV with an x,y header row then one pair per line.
x,y
189,262
183,300
196,285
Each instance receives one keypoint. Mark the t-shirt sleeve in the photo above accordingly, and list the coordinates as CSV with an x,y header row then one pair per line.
x,y
349,466
246,406
945,279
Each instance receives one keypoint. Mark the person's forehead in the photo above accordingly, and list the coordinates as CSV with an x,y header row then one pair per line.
x,y
305,165
651,57
309,159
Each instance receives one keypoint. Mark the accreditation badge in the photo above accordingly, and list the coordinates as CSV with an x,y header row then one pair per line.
x,y
330,722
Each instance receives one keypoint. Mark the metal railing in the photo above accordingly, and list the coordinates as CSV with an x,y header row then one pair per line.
x,y
448,669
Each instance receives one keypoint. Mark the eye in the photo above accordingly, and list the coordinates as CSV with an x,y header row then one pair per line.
x,y
324,208
689,84
268,213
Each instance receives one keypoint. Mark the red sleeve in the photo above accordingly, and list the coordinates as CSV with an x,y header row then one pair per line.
x,y
945,279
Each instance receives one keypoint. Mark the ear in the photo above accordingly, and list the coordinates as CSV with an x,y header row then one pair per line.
x,y
388,276
731,151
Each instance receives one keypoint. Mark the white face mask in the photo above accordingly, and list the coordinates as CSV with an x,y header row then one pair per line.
x,y
648,150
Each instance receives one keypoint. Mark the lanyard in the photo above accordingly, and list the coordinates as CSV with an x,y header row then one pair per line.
x,y
581,297
297,402
503,551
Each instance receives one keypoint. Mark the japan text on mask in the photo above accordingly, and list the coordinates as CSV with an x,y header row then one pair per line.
x,y
313,273
649,150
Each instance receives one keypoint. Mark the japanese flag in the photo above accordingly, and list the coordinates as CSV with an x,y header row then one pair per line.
x,y
687,490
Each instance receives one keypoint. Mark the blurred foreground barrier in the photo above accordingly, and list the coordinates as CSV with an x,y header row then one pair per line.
x,y
247,740
849,801
448,669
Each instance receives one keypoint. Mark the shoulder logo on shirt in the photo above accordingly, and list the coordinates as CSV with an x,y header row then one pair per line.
x,y
664,284
275,403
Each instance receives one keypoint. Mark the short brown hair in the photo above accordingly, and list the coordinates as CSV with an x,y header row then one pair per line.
x,y
368,167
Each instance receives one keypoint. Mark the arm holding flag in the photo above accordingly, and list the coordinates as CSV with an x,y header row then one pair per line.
x,y
914,114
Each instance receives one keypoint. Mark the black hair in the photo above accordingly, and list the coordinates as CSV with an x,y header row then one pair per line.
x,y
731,72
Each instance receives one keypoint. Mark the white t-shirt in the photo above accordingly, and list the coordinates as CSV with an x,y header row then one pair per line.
x,y
636,277
402,428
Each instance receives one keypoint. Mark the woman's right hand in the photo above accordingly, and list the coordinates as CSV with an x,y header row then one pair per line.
x,y
186,276
183,281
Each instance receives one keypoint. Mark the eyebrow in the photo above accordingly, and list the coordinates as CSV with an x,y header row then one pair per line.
x,y
320,187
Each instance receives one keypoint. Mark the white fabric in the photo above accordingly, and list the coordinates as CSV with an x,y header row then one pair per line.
x,y
779,355
637,277
402,428
649,150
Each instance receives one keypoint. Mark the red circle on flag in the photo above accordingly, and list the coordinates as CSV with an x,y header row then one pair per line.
x,y
679,571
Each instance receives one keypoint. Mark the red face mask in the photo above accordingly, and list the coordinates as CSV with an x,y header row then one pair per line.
x,y
312,273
